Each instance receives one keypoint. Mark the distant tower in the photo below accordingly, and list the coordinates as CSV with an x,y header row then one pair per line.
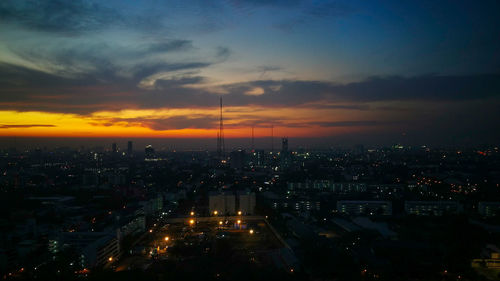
x,y
149,152
114,148
284,145
285,155
220,135
129,148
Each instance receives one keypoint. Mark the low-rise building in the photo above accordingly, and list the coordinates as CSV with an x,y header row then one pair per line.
x,y
488,209
368,207
437,208
222,203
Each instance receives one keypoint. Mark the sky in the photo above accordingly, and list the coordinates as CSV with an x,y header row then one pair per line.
x,y
362,71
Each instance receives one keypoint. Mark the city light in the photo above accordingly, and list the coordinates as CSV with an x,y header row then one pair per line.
x,y
167,238
239,213
110,259
191,221
238,221
192,213
215,213
251,231
220,222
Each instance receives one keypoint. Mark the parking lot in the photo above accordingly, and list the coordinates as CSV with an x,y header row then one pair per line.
x,y
189,238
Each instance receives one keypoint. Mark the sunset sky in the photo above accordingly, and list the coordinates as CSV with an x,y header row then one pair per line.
x,y
429,70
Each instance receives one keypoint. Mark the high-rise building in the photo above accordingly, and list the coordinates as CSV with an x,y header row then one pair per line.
x,y
237,159
284,145
129,148
285,156
259,157
114,148
149,152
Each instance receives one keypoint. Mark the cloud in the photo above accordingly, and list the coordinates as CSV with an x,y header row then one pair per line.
x,y
222,53
427,87
182,122
145,71
178,122
26,89
305,124
104,59
309,12
264,69
257,91
69,17
348,123
375,89
3,126
170,45
356,106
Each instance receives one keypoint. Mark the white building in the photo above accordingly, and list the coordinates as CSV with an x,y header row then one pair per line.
x,y
222,203
96,248
246,202
436,208
354,207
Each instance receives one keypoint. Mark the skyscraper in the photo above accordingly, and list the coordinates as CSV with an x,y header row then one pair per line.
x,y
285,156
149,152
284,145
129,148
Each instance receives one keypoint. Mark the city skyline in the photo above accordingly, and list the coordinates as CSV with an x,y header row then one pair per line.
x,y
318,71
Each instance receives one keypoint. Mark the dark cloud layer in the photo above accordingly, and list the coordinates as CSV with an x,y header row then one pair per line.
x,y
164,124
22,89
3,126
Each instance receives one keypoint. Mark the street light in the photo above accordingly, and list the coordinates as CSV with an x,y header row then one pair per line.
x,y
215,213
239,213
220,222
238,221
110,259
191,222
167,238
192,213
251,231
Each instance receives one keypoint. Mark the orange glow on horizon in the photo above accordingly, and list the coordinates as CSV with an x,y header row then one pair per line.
x,y
177,123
